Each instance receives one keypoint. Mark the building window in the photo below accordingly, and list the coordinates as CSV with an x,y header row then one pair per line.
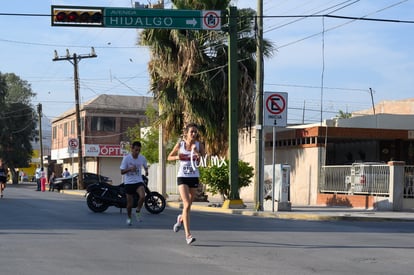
x,y
54,132
106,124
65,129
72,127
82,124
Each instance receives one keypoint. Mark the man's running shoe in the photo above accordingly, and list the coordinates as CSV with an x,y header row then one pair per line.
x,y
190,239
129,221
178,224
138,216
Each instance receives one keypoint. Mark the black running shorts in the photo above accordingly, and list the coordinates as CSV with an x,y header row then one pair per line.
x,y
191,182
132,188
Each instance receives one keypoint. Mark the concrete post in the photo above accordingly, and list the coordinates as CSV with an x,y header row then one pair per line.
x,y
396,184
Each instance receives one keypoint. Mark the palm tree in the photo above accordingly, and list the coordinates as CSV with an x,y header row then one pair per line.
x,y
342,114
189,75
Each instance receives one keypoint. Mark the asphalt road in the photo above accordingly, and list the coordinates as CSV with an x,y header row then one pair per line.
x,y
51,233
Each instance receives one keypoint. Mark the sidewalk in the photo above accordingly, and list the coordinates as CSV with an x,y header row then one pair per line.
x,y
313,213
306,212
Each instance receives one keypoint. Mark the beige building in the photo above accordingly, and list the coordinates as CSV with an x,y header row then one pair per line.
x,y
386,136
395,107
104,121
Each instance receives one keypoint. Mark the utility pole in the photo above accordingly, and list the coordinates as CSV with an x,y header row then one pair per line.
x,y
234,201
372,100
259,109
75,60
162,179
39,111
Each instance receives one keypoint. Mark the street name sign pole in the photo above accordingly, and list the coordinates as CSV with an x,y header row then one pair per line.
x,y
72,16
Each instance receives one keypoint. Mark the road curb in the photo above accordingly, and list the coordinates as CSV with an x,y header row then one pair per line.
x,y
288,215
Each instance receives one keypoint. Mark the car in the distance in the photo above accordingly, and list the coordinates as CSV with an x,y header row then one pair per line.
x,y
88,178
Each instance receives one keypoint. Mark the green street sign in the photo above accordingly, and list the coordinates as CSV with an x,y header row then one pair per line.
x,y
162,19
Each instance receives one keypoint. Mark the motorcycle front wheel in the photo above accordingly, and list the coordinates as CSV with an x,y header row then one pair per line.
x,y
95,204
154,203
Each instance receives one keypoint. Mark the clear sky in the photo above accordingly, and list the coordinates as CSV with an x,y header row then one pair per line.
x,y
334,69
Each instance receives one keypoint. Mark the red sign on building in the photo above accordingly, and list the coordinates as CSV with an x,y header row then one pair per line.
x,y
104,150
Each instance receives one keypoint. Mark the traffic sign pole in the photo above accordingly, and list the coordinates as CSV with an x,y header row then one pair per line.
x,y
275,115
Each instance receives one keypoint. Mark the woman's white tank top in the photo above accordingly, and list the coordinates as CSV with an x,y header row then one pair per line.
x,y
188,168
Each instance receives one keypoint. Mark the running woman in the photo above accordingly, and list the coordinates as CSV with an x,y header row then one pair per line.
x,y
188,152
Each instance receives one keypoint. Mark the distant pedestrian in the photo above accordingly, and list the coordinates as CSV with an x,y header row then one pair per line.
x,y
38,175
3,177
51,182
188,151
22,176
65,173
43,179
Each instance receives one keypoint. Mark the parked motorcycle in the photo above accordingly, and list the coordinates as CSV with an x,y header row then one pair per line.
x,y
101,195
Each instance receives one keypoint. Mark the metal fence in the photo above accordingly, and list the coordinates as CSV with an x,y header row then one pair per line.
x,y
409,181
373,179
171,178
345,179
333,179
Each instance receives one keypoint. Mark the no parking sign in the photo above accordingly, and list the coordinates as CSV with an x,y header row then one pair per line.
x,y
275,109
73,145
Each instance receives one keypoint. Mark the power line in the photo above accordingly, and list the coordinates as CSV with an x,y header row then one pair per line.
x,y
318,12
317,87
370,19
352,20
69,46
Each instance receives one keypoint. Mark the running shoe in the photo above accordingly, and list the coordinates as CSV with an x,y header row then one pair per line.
x,y
190,239
178,224
138,216
129,222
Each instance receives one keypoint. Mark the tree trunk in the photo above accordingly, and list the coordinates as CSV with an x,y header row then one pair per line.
x,y
14,176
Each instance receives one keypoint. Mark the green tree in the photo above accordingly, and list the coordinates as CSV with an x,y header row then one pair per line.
x,y
149,141
216,178
17,122
342,114
189,75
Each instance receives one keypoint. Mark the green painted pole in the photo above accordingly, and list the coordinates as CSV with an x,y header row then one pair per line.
x,y
233,105
259,166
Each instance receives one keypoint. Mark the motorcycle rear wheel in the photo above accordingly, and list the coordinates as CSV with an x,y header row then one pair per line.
x,y
95,204
154,203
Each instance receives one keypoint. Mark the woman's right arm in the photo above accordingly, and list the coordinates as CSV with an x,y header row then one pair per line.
x,y
174,153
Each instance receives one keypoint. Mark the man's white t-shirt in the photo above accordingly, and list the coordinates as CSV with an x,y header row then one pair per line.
x,y
38,174
133,176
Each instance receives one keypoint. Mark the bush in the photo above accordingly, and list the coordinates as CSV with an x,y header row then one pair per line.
x,y
216,179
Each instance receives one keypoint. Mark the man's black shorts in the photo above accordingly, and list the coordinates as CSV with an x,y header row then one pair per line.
x,y
132,187
191,182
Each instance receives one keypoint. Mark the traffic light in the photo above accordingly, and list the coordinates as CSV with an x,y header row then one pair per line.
x,y
77,16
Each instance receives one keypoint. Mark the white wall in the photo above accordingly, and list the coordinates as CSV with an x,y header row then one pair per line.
x,y
304,172
109,167
382,121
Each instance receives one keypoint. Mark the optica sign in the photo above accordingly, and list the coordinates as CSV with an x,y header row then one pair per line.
x,y
104,150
